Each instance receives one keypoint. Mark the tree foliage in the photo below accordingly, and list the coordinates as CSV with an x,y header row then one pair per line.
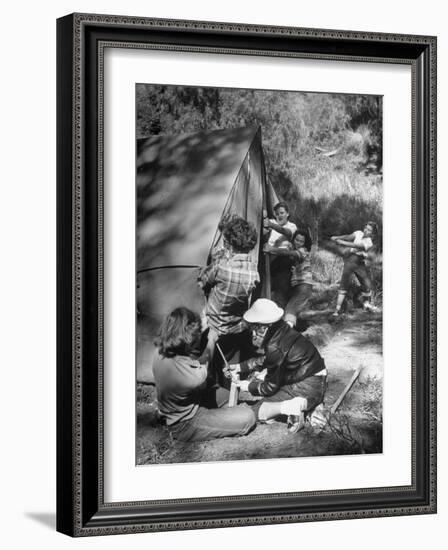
x,y
323,152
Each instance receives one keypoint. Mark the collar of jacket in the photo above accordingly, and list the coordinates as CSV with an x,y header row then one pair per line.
x,y
274,329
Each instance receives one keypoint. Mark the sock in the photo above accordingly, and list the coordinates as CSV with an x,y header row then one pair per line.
x,y
293,406
262,413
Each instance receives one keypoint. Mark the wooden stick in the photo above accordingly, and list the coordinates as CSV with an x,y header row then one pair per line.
x,y
234,388
233,395
226,364
339,400
267,275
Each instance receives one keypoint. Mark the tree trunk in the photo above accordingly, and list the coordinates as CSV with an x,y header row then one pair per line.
x,y
316,232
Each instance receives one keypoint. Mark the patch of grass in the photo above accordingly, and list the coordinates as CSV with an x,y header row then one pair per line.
x,y
146,393
347,438
356,429
371,405
147,405
326,266
156,450
323,297
327,269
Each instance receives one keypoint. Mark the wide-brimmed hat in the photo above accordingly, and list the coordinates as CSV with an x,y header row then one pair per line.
x,y
264,312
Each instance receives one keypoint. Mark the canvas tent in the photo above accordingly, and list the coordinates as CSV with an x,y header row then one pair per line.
x,y
185,184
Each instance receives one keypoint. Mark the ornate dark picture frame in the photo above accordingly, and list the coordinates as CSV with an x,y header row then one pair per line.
x,y
81,509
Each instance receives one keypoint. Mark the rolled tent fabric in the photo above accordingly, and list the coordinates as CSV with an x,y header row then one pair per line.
x,y
185,185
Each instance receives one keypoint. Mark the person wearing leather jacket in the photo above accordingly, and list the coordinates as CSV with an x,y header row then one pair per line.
x,y
295,379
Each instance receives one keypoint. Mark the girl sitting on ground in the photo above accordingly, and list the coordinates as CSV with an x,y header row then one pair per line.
x,y
191,410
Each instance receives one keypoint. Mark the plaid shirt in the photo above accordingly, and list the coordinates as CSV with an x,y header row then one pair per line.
x,y
229,281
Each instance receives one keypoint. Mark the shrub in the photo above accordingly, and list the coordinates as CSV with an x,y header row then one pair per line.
x,y
326,266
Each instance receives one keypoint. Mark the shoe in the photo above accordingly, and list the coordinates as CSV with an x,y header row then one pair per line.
x,y
336,314
318,418
296,422
370,308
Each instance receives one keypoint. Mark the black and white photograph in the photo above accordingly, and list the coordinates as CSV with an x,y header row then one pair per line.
x,y
220,307
258,274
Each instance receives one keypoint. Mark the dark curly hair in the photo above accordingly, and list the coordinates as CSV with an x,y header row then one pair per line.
x,y
281,204
179,334
239,233
305,233
374,227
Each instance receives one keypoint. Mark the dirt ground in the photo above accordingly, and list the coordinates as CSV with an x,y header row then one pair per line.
x,y
352,341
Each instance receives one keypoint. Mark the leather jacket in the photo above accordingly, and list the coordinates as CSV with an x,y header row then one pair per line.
x,y
290,358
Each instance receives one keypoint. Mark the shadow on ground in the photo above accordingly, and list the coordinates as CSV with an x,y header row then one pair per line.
x,y
48,519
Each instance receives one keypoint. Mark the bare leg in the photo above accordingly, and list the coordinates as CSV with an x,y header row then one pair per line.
x,y
339,302
366,299
366,288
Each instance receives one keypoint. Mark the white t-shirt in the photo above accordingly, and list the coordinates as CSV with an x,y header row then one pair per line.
x,y
365,241
278,239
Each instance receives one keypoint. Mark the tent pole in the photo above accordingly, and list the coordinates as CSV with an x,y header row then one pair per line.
x,y
266,290
267,274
